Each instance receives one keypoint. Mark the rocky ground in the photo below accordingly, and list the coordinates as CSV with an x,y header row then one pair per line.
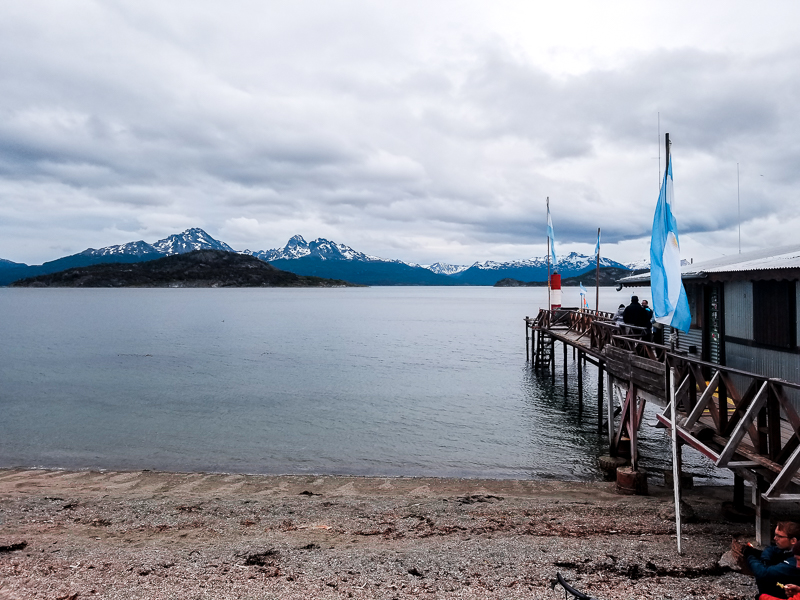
x,y
77,535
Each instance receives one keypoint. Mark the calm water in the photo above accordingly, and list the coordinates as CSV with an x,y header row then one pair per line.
x,y
369,381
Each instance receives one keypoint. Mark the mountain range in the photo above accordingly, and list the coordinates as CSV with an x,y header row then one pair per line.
x,y
319,258
197,268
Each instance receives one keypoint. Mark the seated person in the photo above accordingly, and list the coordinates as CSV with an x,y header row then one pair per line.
x,y
778,562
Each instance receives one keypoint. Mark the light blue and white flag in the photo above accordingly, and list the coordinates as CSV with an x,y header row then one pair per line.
x,y
551,235
584,301
597,247
670,304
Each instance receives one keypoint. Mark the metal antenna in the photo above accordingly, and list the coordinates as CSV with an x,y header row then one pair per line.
x,y
739,208
659,149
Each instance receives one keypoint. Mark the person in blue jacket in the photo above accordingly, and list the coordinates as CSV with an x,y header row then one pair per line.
x,y
777,563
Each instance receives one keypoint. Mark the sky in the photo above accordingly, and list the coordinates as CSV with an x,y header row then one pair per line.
x,y
419,131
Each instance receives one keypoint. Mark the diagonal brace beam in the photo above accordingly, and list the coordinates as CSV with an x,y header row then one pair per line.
x,y
742,426
702,402
785,476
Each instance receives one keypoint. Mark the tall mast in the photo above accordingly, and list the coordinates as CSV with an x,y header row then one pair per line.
x,y
548,257
597,276
658,144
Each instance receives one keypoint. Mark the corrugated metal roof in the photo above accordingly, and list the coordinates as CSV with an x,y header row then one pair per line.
x,y
784,257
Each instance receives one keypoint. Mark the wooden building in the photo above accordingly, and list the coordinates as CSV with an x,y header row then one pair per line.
x,y
744,312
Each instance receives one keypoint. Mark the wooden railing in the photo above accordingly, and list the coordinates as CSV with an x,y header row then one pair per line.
x,y
757,409
736,418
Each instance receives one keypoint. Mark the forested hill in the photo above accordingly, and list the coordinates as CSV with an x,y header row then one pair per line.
x,y
608,276
201,268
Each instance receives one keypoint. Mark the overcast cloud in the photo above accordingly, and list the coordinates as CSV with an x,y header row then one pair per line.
x,y
405,130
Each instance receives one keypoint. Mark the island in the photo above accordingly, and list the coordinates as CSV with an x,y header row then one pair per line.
x,y
198,269
608,276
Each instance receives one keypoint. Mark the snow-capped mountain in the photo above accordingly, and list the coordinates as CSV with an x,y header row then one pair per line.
x,y
179,243
139,248
10,264
644,264
569,263
638,265
445,268
320,248
191,239
324,258
533,269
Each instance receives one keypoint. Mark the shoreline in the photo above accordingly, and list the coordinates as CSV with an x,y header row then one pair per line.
x,y
154,534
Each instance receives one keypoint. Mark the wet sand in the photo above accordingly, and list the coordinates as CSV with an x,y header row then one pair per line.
x,y
74,535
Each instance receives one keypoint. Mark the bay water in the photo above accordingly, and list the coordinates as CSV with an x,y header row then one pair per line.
x,y
382,381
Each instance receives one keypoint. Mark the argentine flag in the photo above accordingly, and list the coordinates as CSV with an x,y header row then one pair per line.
x,y
584,302
551,235
670,304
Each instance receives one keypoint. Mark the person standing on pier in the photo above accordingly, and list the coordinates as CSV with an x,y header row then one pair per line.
x,y
651,319
618,318
636,315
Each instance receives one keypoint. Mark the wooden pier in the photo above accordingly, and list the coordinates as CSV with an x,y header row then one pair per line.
x,y
740,421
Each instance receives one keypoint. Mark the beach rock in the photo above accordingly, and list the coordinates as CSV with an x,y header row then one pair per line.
x,y
729,560
688,514
12,545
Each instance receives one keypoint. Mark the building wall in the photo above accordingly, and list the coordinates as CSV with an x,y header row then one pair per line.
x,y
772,363
797,293
739,324
739,309
683,341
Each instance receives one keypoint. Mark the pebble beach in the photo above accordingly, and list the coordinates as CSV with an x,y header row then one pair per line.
x,y
68,535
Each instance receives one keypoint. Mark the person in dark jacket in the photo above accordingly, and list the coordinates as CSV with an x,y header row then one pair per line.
x,y
649,311
650,319
636,315
778,562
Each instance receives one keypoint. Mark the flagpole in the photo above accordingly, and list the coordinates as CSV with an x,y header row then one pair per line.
x,y
549,305
671,331
676,472
597,276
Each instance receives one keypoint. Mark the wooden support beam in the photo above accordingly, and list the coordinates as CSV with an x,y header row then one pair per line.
x,y
633,427
600,398
742,427
785,476
738,491
565,367
784,498
626,416
612,448
763,525
527,341
722,404
706,397
690,439
580,379
681,390
740,402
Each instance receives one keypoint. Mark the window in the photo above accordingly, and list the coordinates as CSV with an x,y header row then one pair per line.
x,y
694,295
775,313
